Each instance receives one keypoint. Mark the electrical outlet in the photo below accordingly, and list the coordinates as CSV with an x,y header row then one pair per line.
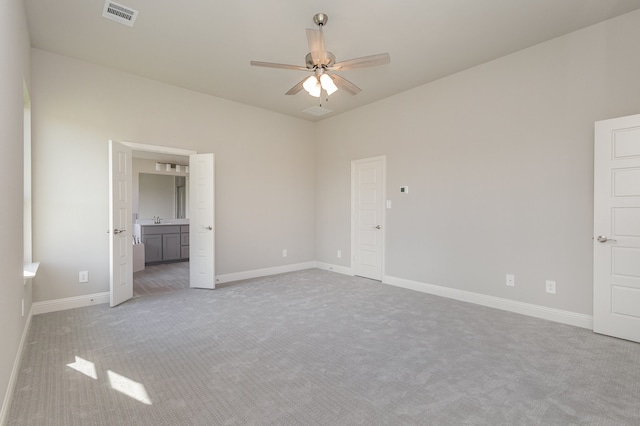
x,y
551,287
83,277
339,254
284,253
511,280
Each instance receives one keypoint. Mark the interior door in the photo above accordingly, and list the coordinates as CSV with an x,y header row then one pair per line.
x,y
202,221
120,219
367,178
616,251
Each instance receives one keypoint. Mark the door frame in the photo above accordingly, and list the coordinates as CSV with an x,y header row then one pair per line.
x,y
354,163
158,149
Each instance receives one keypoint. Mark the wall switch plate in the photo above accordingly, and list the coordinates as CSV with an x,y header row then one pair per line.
x,y
83,277
511,280
551,287
404,189
284,253
388,204
339,254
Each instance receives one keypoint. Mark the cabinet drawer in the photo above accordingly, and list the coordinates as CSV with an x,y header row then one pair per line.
x,y
160,229
184,228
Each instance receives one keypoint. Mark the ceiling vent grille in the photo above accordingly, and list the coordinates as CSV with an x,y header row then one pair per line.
x,y
317,111
119,13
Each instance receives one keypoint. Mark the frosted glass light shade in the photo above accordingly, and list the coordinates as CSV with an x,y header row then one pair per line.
x,y
327,84
310,83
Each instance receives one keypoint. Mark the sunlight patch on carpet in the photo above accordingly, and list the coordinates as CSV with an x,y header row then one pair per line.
x,y
129,387
85,367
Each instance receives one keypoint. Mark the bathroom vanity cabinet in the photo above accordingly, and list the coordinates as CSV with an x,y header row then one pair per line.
x,y
165,243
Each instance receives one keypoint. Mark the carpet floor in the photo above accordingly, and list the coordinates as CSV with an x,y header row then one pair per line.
x,y
318,348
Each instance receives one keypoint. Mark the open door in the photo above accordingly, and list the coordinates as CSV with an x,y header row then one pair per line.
x,y
201,232
616,247
120,242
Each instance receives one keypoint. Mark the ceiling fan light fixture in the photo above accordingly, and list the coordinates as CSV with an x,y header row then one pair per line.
x,y
312,86
310,83
327,84
316,91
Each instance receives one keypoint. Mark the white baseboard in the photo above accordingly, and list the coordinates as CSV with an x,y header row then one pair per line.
x,y
69,303
334,268
255,273
8,397
537,311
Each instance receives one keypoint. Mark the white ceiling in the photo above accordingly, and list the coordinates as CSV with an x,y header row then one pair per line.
x,y
206,46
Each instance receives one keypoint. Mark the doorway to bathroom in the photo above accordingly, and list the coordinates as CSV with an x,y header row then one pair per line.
x,y
160,199
191,262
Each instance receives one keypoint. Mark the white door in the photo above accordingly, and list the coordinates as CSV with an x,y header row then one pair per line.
x,y
367,198
201,232
120,219
616,251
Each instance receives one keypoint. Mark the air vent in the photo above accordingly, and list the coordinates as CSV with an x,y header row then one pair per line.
x,y
317,111
119,13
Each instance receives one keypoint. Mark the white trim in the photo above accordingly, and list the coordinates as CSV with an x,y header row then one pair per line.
x,y
158,148
69,303
382,158
335,268
537,311
8,397
255,273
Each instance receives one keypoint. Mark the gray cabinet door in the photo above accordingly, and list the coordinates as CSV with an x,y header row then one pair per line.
x,y
152,248
171,247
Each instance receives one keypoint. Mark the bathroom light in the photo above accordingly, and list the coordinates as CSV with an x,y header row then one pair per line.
x,y
327,84
171,167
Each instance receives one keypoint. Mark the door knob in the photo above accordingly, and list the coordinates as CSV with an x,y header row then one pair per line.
x,y
117,231
603,239
377,227
208,227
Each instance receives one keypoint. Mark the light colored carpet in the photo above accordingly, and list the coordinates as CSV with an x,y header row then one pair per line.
x,y
318,348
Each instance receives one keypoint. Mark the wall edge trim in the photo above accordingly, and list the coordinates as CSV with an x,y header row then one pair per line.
x,y
69,303
255,273
529,309
13,378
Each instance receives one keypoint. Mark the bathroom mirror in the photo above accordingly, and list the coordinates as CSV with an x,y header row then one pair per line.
x,y
162,195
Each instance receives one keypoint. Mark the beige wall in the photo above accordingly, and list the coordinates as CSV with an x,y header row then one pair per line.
x,y
499,164
265,174
14,69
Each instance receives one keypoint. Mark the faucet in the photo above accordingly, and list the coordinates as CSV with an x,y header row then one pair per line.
x,y
156,220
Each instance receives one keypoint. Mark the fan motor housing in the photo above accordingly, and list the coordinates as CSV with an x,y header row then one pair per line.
x,y
309,62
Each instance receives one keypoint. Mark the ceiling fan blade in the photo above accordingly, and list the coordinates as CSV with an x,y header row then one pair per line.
x,y
316,46
274,65
345,85
298,87
365,61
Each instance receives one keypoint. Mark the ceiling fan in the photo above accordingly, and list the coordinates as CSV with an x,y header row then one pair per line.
x,y
321,63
